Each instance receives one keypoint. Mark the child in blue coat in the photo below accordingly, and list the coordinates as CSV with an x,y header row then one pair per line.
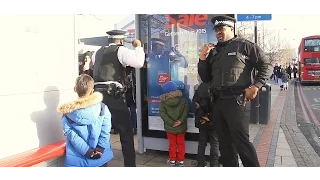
x,y
86,125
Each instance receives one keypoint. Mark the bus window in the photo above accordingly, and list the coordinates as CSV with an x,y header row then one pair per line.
x,y
312,45
312,61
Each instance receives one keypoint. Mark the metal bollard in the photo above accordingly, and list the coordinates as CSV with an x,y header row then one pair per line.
x,y
265,104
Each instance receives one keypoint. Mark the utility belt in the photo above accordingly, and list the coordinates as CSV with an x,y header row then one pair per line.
x,y
111,88
225,93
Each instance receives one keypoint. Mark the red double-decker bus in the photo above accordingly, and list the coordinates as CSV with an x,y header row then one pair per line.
x,y
309,59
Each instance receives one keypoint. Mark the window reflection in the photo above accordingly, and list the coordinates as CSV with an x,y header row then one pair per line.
x,y
312,61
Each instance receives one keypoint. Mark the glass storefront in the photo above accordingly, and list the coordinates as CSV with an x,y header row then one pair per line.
x,y
173,43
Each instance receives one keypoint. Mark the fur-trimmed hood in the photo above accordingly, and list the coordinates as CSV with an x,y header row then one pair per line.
x,y
80,103
172,98
86,123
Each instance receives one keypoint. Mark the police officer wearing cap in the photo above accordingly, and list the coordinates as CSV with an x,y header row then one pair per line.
x,y
158,63
228,66
163,61
109,76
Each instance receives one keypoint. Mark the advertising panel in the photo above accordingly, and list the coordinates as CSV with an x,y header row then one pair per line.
x,y
173,43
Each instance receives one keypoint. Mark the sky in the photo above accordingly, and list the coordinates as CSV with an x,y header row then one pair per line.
x,y
97,25
297,26
291,27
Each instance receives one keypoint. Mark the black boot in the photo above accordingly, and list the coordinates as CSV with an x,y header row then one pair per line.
x,y
202,164
214,165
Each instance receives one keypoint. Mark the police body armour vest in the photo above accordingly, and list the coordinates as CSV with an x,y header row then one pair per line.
x,y
230,67
109,69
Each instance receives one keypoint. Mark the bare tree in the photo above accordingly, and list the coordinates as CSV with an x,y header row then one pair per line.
x,y
271,46
245,30
263,34
156,23
266,39
286,53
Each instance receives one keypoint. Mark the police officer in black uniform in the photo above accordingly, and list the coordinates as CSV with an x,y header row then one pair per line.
x,y
109,75
228,66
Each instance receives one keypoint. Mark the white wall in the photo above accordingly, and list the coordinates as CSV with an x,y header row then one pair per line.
x,y
38,70
97,25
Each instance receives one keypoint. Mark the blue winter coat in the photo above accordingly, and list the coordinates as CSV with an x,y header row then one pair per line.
x,y
86,126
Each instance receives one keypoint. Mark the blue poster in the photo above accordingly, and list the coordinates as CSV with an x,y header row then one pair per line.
x,y
174,42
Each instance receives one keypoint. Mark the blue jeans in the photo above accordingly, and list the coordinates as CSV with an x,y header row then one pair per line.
x,y
133,113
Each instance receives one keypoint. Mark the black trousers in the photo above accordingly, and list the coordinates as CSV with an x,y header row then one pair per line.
x,y
232,125
120,117
205,136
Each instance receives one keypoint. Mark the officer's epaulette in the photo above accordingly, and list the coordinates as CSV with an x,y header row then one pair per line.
x,y
214,51
104,48
245,40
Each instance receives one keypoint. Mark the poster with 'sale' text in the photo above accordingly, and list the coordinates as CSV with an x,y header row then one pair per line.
x,y
174,42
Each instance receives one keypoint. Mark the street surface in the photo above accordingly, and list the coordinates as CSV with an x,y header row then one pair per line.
x,y
307,98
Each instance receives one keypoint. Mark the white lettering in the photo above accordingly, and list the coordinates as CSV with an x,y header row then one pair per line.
x,y
154,97
162,79
196,31
316,99
173,33
315,106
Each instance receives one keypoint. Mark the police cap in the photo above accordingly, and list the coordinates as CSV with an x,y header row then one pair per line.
x,y
116,34
223,20
158,41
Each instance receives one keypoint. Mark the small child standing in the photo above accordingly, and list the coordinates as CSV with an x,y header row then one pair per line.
x,y
285,79
174,111
280,74
86,124
205,122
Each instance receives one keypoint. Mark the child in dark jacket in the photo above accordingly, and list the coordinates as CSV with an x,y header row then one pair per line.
x,y
280,74
174,111
205,123
285,79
